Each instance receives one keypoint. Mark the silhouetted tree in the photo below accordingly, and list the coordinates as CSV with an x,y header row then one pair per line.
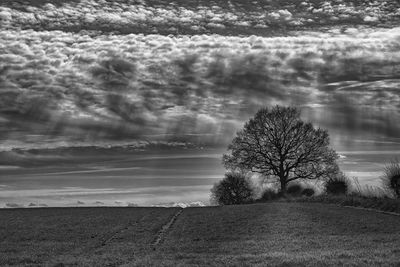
x,y
232,190
277,143
338,184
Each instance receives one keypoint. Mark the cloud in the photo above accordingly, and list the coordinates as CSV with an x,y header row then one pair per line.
x,y
77,88
14,205
180,204
33,205
144,17
114,73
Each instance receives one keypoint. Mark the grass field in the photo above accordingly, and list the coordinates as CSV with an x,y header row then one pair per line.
x,y
78,235
278,234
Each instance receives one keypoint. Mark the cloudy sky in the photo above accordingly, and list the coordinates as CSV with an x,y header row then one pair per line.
x,y
67,87
79,73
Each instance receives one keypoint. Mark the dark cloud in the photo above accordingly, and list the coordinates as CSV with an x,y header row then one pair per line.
x,y
14,205
350,117
114,73
63,86
131,16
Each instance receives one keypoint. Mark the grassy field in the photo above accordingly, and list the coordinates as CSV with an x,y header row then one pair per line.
x,y
78,235
278,234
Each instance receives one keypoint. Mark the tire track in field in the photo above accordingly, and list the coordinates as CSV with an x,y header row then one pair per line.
x,y
107,238
102,240
161,234
96,242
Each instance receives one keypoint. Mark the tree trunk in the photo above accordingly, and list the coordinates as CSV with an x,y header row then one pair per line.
x,y
283,186
282,178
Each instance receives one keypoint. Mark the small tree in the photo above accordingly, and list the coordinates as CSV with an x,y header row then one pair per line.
x,y
277,143
232,190
391,177
294,189
338,184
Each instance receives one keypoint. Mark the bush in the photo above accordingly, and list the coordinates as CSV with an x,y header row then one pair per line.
x,y
294,190
338,185
269,194
308,192
391,177
232,190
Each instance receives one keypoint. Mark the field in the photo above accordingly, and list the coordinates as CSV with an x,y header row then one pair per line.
x,y
277,234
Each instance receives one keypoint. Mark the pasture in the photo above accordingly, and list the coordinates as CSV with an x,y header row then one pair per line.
x,y
272,234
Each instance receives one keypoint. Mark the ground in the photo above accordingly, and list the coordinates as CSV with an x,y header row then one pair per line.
x,y
276,234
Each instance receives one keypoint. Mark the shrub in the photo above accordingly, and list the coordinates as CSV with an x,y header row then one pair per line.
x,y
391,177
232,190
294,190
338,185
308,192
269,194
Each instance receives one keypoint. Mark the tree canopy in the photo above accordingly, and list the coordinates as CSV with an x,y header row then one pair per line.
x,y
277,143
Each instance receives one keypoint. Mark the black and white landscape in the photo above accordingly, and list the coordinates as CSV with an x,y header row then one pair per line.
x,y
131,103
112,77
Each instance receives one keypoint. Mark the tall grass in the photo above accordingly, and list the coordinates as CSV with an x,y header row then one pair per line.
x,y
391,178
368,190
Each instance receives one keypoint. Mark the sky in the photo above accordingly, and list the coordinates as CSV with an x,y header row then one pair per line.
x,y
65,87
112,73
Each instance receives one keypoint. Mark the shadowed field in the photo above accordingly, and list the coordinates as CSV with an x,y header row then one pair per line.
x,y
262,234
83,236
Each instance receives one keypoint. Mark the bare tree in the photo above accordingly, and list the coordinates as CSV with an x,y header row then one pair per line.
x,y
277,143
